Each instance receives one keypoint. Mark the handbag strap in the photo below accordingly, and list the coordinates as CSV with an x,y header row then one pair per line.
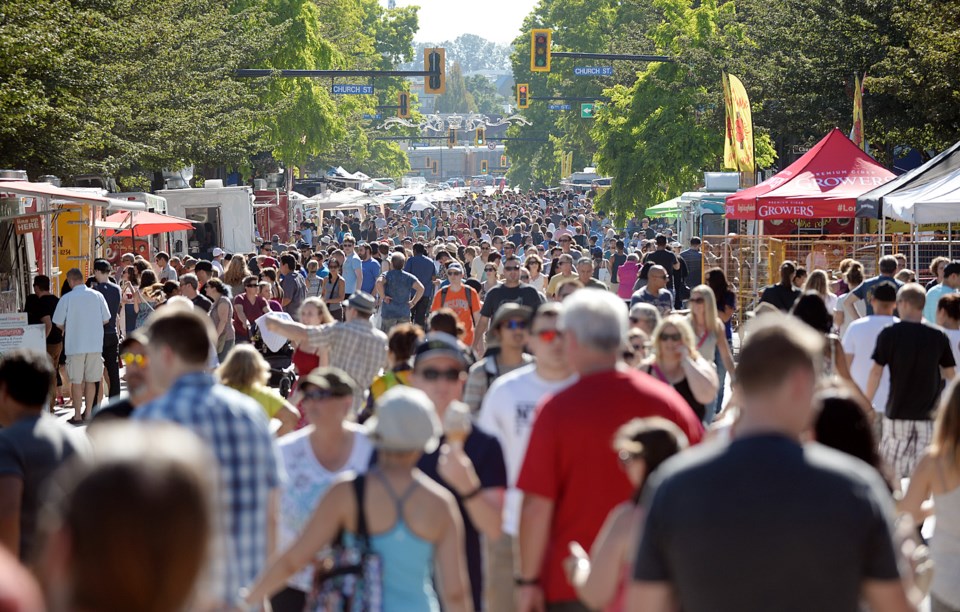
x,y
359,488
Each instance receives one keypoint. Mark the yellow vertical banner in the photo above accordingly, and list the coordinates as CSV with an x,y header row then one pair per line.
x,y
569,163
729,150
856,134
742,125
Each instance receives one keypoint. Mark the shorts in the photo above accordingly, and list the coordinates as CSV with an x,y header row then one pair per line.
x,y
903,443
85,367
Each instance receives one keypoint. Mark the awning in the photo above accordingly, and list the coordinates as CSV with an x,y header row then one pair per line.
x,y
823,184
49,191
670,208
870,205
142,224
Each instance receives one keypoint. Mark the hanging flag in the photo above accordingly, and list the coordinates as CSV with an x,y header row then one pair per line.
x,y
569,163
856,134
742,125
729,154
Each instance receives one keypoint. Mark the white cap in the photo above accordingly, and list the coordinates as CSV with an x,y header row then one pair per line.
x,y
405,420
217,251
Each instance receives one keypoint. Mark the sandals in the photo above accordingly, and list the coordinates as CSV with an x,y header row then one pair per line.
x,y
76,421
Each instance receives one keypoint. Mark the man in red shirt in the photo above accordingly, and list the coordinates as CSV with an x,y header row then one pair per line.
x,y
570,477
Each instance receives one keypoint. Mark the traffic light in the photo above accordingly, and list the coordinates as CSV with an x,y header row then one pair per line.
x,y
483,166
523,95
403,105
436,167
481,137
503,161
427,162
451,138
540,50
434,60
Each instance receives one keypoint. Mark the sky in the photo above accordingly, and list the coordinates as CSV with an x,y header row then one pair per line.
x,y
496,20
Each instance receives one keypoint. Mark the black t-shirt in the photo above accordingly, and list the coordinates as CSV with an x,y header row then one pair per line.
x,y
781,296
38,307
501,294
118,408
914,352
31,450
802,527
202,302
649,233
111,293
487,457
665,258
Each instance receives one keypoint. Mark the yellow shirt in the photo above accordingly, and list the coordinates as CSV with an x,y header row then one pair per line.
x,y
269,399
556,281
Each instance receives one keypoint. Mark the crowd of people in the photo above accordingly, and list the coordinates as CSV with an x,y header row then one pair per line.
x,y
510,404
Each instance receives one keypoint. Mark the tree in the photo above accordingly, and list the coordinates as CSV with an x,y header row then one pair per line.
x,y
488,100
658,136
456,99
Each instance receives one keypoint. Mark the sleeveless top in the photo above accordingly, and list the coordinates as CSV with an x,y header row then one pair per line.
x,y
627,275
683,388
706,343
407,561
945,545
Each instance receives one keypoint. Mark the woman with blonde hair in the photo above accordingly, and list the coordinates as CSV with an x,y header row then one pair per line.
x,y
677,362
938,475
247,371
817,282
709,333
235,273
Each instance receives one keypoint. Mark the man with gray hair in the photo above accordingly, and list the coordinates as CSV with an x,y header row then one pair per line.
x,y
644,317
564,500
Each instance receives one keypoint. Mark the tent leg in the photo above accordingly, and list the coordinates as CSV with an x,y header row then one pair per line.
x,y
950,241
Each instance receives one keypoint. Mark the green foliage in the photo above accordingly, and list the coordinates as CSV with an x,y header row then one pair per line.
x,y
456,99
486,97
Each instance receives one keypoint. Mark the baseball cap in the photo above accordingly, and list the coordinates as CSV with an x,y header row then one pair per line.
x,y
325,240
405,420
217,252
439,344
454,266
334,380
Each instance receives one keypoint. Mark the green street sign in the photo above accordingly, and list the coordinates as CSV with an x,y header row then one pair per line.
x,y
586,110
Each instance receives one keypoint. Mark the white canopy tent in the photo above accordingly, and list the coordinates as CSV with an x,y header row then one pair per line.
x,y
934,202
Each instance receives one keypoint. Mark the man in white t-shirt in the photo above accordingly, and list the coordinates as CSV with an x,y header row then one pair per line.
x,y
508,412
860,340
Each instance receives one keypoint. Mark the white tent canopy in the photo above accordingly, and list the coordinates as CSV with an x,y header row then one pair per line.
x,y
934,202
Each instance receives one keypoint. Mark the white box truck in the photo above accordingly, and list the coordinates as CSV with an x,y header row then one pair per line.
x,y
222,217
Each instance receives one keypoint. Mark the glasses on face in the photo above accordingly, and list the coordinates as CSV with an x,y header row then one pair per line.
x,y
489,269
697,300
640,348
659,276
511,268
634,320
548,335
454,273
317,395
133,358
674,337
515,324
626,457
333,266
432,374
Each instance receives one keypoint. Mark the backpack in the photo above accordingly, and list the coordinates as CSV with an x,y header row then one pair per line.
x,y
467,291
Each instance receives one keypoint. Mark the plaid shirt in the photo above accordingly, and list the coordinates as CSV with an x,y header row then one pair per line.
x,y
236,429
356,348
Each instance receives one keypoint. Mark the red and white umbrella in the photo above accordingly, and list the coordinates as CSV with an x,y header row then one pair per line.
x,y
142,224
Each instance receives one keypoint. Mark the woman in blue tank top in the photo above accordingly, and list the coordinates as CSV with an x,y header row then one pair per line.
x,y
414,525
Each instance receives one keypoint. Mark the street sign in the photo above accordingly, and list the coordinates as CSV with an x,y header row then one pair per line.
x,y
354,90
558,107
369,116
586,110
491,145
593,71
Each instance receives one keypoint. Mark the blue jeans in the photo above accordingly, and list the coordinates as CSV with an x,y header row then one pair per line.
x,y
717,405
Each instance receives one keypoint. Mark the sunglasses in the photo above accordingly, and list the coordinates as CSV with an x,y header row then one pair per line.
x,y
697,300
317,394
677,337
133,358
564,240
251,285
432,374
332,266
548,335
489,269
515,324
511,268
454,273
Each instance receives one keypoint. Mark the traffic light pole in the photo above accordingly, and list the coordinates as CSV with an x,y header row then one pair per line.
x,y
292,74
613,56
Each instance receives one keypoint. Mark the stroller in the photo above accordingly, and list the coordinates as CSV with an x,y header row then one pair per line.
x,y
282,375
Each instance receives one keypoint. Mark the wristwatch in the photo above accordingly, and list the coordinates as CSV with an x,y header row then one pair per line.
x,y
519,581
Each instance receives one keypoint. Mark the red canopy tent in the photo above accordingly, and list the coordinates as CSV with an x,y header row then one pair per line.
x,y
145,224
823,184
